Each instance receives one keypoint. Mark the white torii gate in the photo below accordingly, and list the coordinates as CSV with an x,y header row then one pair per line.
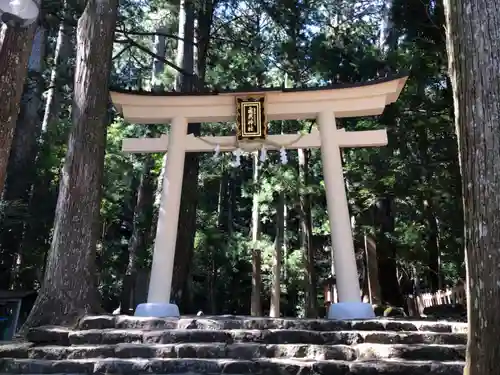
x,y
325,104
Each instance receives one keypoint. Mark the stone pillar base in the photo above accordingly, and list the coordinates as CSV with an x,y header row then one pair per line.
x,y
157,310
350,310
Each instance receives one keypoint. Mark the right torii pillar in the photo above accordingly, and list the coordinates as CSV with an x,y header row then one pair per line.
x,y
346,271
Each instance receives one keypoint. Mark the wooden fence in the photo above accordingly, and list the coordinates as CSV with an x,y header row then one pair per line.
x,y
415,303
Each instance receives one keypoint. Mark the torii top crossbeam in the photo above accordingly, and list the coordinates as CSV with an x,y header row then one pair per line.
x,y
353,100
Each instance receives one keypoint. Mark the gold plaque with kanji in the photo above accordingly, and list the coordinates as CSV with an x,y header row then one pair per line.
x,y
251,118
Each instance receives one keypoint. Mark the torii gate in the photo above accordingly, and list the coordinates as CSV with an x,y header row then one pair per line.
x,y
251,110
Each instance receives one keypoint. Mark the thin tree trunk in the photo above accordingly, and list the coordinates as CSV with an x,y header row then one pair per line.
x,y
285,245
15,47
143,215
386,253
372,270
274,310
60,74
307,246
184,248
473,32
432,237
69,290
43,195
255,302
434,256
231,207
144,207
21,171
214,271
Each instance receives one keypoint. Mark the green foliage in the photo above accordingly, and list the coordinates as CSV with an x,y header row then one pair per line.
x,y
268,43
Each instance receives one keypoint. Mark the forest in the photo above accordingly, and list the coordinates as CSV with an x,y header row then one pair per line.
x,y
239,226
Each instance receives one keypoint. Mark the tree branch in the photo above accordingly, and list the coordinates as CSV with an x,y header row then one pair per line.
x,y
147,33
125,49
139,46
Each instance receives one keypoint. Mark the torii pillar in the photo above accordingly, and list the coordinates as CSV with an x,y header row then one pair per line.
x,y
324,104
346,270
162,268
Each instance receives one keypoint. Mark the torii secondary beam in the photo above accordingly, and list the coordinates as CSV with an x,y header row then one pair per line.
x,y
365,138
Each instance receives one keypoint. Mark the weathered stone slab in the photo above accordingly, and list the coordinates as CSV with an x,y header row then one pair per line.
x,y
105,336
413,338
211,366
274,336
15,350
35,366
186,335
227,322
130,322
48,335
406,368
246,351
97,322
367,352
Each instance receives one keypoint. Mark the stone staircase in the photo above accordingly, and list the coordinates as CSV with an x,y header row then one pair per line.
x,y
235,345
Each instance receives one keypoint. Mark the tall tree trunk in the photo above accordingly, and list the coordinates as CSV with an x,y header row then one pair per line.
x,y
311,309
274,310
15,46
386,253
434,254
61,73
144,207
473,31
184,248
143,215
21,171
372,270
221,228
432,234
69,288
231,206
285,245
43,195
255,302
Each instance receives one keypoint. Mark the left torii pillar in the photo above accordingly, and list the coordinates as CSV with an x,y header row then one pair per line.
x,y
162,269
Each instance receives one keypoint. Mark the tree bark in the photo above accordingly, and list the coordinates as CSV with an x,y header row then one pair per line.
x,y
43,195
60,74
143,216
372,270
20,170
473,31
15,47
434,253
255,302
69,289
274,311
184,248
386,253
310,296
432,232
231,201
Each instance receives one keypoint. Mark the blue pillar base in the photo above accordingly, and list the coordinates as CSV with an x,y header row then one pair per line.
x,y
157,310
350,310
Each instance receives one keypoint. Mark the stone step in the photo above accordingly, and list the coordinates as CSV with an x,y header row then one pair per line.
x,y
227,366
59,336
244,322
360,352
